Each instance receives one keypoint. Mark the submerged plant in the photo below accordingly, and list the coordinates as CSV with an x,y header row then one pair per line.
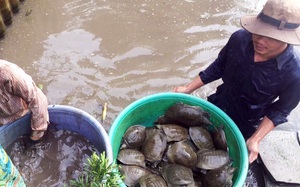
x,y
98,172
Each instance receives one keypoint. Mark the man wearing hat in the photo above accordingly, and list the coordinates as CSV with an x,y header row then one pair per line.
x,y
260,70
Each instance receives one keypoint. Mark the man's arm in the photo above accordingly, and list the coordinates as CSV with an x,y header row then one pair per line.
x,y
192,86
40,117
23,86
253,142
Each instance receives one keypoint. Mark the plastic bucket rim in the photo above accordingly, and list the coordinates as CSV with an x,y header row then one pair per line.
x,y
71,109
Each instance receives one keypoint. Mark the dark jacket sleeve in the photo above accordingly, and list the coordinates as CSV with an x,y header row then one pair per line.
x,y
288,99
216,69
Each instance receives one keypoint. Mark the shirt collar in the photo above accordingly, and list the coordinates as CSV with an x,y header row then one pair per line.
x,y
281,59
284,57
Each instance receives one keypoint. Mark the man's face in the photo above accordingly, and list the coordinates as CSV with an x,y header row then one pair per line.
x,y
267,47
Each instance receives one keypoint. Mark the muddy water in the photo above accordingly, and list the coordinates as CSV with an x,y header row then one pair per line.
x,y
86,52
54,161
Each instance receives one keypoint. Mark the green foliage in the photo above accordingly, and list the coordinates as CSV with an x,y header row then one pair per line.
x,y
98,172
40,86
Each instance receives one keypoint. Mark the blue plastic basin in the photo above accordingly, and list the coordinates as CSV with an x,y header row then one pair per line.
x,y
65,118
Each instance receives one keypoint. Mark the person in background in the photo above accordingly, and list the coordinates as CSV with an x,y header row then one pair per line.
x,y
260,71
18,96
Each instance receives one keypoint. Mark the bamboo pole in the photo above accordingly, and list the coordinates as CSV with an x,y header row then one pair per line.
x,y
7,9
2,28
6,12
14,5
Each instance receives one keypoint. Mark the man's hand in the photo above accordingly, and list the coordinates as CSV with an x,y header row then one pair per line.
x,y
192,86
31,141
36,135
253,142
253,149
29,144
180,89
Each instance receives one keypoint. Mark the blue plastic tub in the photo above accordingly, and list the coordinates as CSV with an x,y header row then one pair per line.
x,y
146,110
65,118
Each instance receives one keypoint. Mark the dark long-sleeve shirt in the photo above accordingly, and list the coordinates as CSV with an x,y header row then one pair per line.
x,y
252,90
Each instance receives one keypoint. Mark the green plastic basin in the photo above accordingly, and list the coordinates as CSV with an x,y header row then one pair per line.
x,y
146,110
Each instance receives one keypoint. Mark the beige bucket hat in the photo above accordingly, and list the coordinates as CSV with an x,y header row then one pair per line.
x,y
279,19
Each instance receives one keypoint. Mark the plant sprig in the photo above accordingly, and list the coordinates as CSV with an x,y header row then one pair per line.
x,y
98,172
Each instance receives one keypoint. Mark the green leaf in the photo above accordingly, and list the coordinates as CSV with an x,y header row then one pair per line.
x,y
40,86
98,172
